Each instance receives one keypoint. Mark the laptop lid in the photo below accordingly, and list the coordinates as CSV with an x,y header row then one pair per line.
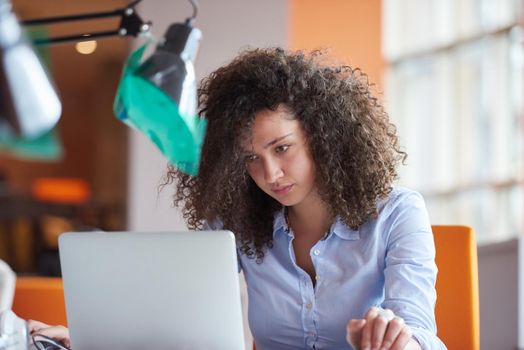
x,y
129,290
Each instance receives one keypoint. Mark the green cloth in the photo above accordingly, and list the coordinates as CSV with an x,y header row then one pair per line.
x,y
143,106
45,147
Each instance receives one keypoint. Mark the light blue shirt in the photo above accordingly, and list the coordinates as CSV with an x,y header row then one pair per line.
x,y
388,262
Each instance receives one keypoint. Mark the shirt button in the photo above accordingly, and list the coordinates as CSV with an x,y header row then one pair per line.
x,y
317,277
316,252
309,306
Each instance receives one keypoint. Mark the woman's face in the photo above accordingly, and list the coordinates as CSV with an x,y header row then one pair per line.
x,y
278,159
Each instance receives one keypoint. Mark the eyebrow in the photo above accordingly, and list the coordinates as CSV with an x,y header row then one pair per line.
x,y
270,143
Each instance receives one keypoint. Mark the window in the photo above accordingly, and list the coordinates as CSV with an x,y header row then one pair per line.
x,y
455,87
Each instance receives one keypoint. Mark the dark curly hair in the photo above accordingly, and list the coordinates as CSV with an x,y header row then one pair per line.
x,y
349,135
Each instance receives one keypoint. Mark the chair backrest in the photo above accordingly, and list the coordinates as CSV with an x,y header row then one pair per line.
x,y
40,298
457,308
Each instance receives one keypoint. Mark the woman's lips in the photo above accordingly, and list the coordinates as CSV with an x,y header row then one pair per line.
x,y
282,190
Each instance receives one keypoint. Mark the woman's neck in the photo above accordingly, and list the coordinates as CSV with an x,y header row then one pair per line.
x,y
312,218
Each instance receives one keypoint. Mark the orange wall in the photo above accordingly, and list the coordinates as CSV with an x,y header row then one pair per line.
x,y
350,28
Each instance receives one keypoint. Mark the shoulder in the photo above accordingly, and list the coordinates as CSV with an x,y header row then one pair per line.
x,y
403,212
214,225
400,200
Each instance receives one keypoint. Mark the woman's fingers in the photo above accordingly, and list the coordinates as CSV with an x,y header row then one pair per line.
x,y
367,332
402,339
56,332
59,333
395,327
354,332
383,330
35,326
381,323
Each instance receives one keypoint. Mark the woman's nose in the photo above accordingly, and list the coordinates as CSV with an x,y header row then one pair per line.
x,y
272,171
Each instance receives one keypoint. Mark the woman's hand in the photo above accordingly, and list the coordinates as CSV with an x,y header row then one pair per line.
x,y
59,333
380,330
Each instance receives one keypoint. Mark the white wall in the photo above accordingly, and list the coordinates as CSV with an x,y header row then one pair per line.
x,y
227,27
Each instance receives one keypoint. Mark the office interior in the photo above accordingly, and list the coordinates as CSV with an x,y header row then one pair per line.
x,y
450,73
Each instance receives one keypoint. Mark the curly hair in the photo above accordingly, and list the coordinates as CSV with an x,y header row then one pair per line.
x,y
348,132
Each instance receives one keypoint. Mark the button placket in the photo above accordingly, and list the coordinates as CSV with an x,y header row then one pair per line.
x,y
308,314
316,256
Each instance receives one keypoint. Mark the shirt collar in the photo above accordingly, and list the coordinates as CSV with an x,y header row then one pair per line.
x,y
338,227
344,232
279,222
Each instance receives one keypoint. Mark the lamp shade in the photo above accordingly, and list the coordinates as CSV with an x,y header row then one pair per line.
x,y
29,105
158,97
170,68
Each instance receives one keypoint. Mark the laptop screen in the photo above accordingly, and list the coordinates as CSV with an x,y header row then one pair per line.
x,y
129,290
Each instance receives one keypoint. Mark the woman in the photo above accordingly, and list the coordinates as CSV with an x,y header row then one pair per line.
x,y
299,162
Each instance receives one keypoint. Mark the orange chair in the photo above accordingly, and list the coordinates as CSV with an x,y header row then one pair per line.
x,y
457,308
40,298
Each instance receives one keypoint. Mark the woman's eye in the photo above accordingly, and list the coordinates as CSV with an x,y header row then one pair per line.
x,y
250,158
282,148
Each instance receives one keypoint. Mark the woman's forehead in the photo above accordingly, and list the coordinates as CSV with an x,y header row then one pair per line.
x,y
269,126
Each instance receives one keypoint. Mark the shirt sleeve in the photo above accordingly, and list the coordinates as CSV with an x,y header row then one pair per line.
x,y
212,225
410,270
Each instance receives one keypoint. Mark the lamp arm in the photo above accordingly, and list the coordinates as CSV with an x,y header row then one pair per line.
x,y
80,17
130,25
75,38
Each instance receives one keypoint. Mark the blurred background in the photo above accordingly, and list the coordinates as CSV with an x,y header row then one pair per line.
x,y
450,73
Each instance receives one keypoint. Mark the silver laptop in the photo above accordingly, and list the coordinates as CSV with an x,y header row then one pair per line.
x,y
128,290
